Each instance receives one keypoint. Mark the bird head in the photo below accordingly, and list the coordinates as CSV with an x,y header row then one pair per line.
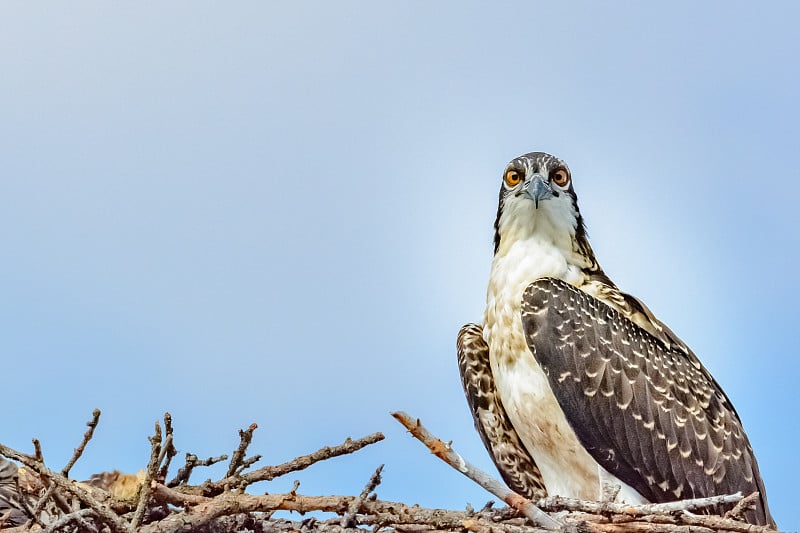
x,y
537,198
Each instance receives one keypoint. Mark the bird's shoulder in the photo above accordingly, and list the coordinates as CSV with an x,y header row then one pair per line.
x,y
599,285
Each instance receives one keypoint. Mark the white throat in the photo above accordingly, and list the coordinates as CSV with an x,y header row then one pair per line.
x,y
532,246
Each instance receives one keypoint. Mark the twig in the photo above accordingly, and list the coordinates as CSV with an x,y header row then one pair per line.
x,y
191,461
168,451
86,438
348,520
247,463
165,454
560,503
37,450
745,504
79,516
182,499
267,473
64,471
245,437
446,453
50,489
640,527
152,471
43,501
302,462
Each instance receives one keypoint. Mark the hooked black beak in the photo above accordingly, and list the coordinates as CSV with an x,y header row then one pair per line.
x,y
537,188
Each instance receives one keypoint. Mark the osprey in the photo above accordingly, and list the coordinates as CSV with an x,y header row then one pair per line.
x,y
576,388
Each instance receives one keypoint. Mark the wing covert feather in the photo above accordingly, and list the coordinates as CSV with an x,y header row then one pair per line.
x,y
648,412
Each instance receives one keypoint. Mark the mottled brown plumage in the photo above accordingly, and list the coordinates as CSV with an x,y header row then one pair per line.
x,y
509,454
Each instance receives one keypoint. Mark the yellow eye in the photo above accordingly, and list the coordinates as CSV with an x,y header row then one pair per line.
x,y
560,177
513,178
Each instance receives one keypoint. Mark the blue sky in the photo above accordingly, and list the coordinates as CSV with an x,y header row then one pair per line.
x,y
281,213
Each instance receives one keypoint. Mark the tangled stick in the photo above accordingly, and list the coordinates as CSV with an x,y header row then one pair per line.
x,y
147,503
673,517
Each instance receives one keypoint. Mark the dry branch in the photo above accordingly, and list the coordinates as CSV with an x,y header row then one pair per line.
x,y
82,446
50,491
192,461
168,450
268,473
245,437
559,503
78,516
150,476
373,512
446,453
746,504
348,520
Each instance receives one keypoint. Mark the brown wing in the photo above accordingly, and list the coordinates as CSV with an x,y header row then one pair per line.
x,y
649,413
602,288
515,464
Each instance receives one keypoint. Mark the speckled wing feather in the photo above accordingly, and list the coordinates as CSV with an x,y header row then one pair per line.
x,y
501,440
651,415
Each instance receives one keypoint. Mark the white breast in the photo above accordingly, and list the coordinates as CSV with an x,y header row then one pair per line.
x,y
567,468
